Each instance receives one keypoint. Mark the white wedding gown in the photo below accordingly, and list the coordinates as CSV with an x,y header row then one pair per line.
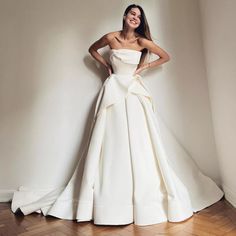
x,y
134,170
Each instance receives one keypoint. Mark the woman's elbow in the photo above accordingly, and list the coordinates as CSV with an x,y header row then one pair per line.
x,y
90,49
167,58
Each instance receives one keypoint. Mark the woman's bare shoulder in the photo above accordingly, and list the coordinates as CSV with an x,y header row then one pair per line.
x,y
143,40
110,35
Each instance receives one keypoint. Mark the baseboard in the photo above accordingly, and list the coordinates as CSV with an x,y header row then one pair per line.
x,y
6,195
230,195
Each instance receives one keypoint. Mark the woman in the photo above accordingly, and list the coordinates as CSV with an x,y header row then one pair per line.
x,y
135,171
134,35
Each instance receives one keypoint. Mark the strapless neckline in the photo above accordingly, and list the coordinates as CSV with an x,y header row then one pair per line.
x,y
128,49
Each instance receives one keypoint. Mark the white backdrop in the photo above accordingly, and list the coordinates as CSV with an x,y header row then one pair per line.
x,y
49,84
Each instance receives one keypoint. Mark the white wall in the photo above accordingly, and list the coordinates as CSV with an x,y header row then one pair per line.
x,y
219,36
180,86
49,84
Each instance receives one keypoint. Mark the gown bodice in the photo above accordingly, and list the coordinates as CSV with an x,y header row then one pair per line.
x,y
124,61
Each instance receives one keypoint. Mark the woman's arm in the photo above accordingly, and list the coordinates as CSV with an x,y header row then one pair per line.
x,y
100,43
154,48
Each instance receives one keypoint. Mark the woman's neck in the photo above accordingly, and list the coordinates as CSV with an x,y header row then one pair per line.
x,y
128,34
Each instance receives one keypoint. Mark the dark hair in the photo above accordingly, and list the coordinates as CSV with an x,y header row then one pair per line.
x,y
143,28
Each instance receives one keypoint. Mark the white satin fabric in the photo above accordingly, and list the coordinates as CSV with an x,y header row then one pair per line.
x,y
134,170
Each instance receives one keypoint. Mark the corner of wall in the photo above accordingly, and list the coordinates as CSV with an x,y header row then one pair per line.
x,y
230,195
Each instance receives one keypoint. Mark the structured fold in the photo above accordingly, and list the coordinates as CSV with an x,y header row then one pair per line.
x,y
117,87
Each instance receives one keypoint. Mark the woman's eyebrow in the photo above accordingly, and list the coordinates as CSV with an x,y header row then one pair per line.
x,y
135,13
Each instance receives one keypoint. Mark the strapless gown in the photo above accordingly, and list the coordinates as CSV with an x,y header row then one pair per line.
x,y
134,170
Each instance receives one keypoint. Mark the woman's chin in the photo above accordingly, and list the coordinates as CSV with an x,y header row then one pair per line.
x,y
132,26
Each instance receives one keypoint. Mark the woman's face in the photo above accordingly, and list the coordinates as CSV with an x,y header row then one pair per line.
x,y
133,18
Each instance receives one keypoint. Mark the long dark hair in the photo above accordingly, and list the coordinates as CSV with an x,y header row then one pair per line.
x,y
143,28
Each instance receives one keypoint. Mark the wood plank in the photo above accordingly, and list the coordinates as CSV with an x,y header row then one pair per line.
x,y
215,220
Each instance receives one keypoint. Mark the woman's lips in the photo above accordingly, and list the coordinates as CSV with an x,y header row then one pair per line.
x,y
133,22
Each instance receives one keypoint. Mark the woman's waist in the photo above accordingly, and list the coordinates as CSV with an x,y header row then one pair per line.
x,y
124,71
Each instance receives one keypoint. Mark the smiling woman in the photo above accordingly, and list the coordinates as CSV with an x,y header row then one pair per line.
x,y
134,16
135,34
135,169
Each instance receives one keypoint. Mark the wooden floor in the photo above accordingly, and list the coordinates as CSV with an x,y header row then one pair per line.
x,y
218,219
